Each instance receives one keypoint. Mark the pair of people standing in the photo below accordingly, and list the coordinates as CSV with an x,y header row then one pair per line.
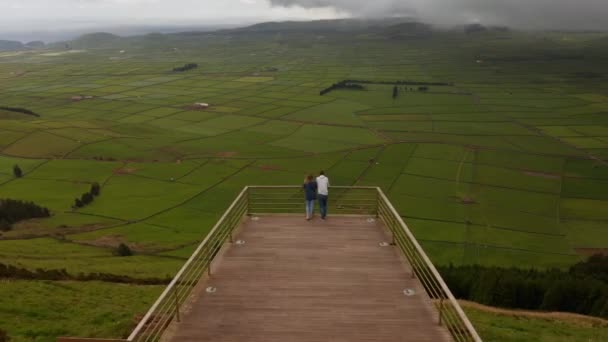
x,y
316,189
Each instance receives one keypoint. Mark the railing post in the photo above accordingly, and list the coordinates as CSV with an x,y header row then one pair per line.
x,y
248,201
440,310
209,268
177,317
378,199
231,235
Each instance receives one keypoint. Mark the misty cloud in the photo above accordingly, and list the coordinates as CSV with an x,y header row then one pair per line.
x,y
52,15
28,19
537,14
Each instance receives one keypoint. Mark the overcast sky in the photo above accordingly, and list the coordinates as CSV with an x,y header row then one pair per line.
x,y
24,15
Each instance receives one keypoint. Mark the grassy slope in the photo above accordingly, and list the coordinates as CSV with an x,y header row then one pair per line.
x,y
513,325
41,310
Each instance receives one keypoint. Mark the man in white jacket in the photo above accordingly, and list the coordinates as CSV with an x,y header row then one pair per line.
x,y
322,193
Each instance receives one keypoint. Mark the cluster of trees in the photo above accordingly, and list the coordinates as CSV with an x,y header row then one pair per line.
x,y
17,171
582,289
342,85
88,197
357,85
104,158
19,110
124,250
420,89
186,67
13,211
12,272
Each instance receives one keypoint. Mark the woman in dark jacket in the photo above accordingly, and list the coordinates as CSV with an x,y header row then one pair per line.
x,y
310,191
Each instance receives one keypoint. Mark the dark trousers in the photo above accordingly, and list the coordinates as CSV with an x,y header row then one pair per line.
x,y
322,205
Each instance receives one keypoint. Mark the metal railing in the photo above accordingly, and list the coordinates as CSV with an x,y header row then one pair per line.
x,y
167,307
450,313
258,200
289,200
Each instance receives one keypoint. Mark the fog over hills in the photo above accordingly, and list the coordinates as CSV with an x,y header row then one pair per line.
x,y
29,20
49,36
525,14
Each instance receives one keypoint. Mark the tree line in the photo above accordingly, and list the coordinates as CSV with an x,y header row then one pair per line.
x,y
186,67
357,85
12,272
13,211
342,85
88,197
402,82
19,110
582,289
396,90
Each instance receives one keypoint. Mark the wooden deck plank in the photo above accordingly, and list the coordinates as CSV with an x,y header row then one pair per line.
x,y
295,280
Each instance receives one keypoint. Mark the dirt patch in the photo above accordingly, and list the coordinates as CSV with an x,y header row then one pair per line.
x,y
551,316
107,241
78,98
591,251
467,200
172,151
124,171
226,154
542,175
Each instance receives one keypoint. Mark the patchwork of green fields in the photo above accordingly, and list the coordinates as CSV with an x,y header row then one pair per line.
x,y
509,166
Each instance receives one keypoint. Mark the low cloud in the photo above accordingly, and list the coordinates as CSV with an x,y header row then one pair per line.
x,y
535,14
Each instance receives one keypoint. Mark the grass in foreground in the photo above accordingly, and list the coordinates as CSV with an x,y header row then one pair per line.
x,y
44,310
514,325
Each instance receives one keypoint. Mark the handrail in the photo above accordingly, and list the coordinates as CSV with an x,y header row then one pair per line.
x,y
372,201
432,280
160,316
361,200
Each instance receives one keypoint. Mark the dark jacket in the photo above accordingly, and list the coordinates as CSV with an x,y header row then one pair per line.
x,y
310,190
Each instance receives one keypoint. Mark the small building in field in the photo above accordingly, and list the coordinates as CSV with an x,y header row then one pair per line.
x,y
200,105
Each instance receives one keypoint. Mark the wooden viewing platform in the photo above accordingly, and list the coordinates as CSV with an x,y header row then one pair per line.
x,y
294,280
264,273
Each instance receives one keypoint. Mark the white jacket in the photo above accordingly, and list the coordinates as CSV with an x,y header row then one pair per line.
x,y
323,185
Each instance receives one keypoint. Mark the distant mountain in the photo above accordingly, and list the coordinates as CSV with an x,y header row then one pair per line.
x,y
7,45
337,25
93,40
35,45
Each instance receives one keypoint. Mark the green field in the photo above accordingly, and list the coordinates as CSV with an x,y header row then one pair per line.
x,y
506,325
508,165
